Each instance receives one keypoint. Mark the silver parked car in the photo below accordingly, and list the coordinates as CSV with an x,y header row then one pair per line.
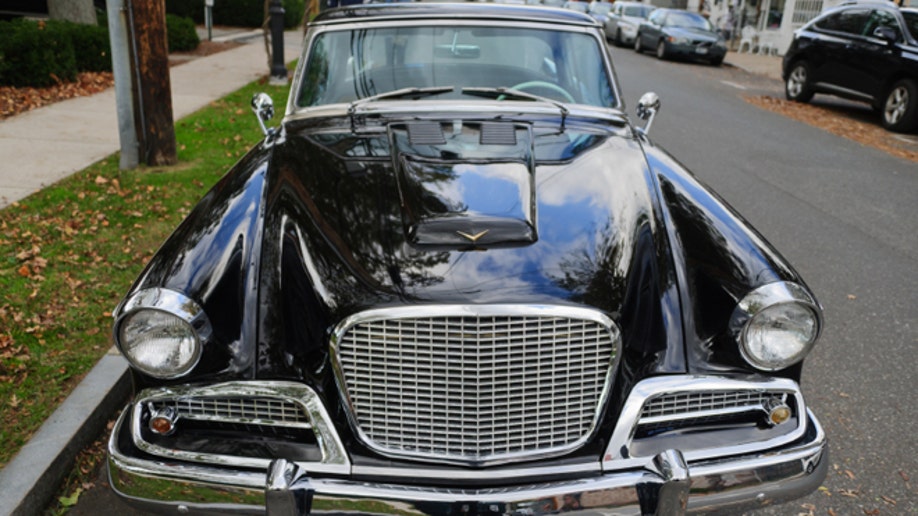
x,y
623,21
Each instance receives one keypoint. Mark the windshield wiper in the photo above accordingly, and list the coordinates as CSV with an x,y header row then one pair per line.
x,y
498,93
416,93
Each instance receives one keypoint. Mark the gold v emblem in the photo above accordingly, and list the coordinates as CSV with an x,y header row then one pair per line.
x,y
473,238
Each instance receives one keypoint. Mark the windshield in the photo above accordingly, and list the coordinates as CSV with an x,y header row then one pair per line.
x,y
687,21
347,65
638,11
911,22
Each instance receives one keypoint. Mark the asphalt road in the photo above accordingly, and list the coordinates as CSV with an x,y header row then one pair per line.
x,y
847,218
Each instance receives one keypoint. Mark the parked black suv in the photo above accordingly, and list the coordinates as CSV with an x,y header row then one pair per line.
x,y
861,51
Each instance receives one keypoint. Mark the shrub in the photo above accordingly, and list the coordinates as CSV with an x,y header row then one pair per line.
x,y
237,13
181,33
35,53
91,45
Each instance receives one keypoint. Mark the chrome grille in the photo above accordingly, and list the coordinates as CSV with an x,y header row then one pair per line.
x,y
682,405
263,411
477,388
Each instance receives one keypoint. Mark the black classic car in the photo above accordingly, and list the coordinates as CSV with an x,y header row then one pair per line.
x,y
457,279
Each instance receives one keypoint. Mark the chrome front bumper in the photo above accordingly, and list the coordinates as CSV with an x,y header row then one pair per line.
x,y
666,485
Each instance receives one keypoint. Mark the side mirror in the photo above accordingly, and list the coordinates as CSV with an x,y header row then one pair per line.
x,y
263,107
887,34
647,109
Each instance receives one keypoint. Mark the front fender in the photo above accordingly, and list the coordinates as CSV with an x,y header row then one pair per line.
x,y
212,258
719,258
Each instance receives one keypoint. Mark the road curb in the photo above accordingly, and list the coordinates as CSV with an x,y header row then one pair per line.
x,y
32,478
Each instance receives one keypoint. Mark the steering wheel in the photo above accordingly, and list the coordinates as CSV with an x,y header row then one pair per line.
x,y
523,86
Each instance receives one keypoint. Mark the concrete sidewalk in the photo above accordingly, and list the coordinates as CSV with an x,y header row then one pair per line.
x,y
42,146
768,66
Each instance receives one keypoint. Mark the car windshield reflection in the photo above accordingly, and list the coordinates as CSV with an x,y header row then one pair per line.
x,y
348,65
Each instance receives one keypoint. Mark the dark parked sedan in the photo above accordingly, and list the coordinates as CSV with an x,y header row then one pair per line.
x,y
457,279
674,33
864,51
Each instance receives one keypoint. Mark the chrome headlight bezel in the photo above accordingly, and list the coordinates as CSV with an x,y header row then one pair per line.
x,y
165,304
762,303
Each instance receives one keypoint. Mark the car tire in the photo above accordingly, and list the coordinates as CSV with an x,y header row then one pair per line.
x,y
797,86
661,50
899,112
717,61
618,38
637,44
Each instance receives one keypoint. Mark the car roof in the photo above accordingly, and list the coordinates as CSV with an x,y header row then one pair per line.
x,y
473,11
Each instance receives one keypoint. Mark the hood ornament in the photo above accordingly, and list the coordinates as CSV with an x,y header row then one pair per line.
x,y
473,238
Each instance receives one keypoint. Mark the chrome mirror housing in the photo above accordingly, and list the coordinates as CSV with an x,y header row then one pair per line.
x,y
263,107
647,108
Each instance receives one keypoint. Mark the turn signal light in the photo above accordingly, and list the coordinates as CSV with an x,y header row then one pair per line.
x,y
162,421
778,411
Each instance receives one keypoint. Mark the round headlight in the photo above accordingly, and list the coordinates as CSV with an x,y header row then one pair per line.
x,y
161,333
777,326
158,343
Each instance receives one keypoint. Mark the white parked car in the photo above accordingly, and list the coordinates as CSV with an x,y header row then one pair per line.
x,y
623,21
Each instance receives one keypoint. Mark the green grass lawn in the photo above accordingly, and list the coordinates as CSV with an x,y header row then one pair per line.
x,y
69,252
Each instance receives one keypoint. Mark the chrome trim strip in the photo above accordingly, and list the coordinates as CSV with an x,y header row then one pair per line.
x,y
503,310
334,456
845,91
747,481
618,455
592,466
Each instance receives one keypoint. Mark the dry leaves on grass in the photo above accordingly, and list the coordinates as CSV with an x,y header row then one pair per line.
x,y
836,123
15,100
18,100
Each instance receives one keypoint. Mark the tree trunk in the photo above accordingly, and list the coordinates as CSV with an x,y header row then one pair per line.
x,y
156,128
78,11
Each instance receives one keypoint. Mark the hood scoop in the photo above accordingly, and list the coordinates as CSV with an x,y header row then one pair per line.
x,y
465,185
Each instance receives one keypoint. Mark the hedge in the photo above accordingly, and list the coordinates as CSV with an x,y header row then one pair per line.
x,y
181,33
43,53
237,13
33,56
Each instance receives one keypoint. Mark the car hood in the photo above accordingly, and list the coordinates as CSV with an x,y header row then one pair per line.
x,y
452,212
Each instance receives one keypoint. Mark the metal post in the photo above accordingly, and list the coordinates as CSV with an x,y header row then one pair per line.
x,y
209,18
121,69
278,69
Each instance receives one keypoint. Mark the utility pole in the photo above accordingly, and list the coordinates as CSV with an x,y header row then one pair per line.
x,y
154,124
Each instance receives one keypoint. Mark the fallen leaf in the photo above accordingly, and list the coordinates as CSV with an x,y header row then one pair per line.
x,y
888,500
851,297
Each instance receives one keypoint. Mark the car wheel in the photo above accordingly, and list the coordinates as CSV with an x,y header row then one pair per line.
x,y
797,87
618,38
661,50
637,44
717,61
900,111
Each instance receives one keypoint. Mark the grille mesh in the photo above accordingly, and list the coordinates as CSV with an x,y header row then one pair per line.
x,y
676,405
266,411
476,387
